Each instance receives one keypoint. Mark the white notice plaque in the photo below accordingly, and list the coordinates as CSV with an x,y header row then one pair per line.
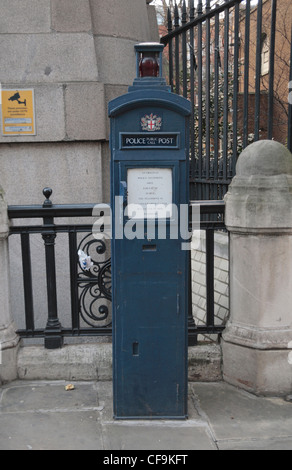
x,y
149,193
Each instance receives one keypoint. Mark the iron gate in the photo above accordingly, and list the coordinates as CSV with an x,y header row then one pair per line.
x,y
232,59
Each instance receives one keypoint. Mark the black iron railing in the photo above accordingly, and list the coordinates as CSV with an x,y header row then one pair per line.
x,y
212,219
90,290
233,60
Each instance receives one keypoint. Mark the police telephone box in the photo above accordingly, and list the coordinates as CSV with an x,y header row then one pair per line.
x,y
149,199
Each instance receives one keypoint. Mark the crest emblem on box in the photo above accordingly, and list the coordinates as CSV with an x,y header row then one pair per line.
x,y
151,122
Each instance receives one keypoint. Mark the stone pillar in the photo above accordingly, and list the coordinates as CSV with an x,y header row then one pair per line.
x,y
8,339
257,342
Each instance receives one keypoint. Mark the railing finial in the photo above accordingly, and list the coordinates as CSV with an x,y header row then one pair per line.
x,y
184,12
47,192
192,10
176,16
169,21
200,7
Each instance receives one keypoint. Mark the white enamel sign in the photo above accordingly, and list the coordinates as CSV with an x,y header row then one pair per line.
x,y
150,193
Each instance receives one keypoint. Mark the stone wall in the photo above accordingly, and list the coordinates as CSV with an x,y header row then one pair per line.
x,y
77,55
221,279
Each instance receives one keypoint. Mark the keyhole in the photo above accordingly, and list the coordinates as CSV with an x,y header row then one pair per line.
x,y
135,348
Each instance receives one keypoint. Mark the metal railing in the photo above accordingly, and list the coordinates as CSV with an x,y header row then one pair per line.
x,y
90,290
233,60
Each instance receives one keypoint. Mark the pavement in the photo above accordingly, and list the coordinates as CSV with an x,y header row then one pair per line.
x,y
42,415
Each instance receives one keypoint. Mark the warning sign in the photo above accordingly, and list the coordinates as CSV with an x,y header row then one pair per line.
x,y
18,112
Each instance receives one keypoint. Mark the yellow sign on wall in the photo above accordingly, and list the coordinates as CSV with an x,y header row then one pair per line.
x,y
18,112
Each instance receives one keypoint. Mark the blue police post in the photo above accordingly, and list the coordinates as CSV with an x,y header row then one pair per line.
x,y
149,179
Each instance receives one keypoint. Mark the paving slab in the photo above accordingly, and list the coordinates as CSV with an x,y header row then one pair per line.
x,y
48,397
42,415
170,435
50,431
257,444
154,436
241,420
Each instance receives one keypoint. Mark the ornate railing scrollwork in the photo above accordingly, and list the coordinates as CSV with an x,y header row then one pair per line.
x,y
94,284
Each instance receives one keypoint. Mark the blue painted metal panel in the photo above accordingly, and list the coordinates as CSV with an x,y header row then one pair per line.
x,y
149,274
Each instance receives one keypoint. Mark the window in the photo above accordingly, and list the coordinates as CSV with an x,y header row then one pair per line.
x,y
265,54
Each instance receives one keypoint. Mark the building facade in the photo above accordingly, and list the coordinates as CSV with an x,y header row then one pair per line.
x,y
76,56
